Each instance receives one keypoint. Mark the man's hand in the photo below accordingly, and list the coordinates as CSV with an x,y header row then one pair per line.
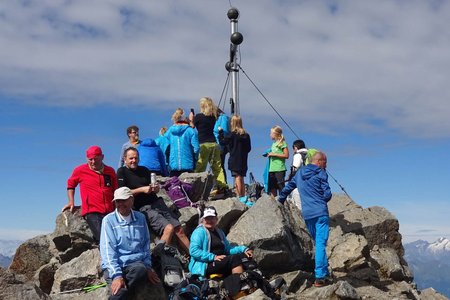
x,y
154,189
219,257
117,284
249,253
69,205
153,277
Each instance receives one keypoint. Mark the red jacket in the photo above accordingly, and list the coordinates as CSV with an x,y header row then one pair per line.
x,y
96,190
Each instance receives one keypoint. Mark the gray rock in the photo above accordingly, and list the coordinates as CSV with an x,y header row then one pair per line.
x,y
78,273
389,264
228,211
71,236
346,291
44,277
30,256
431,294
13,288
267,227
202,184
298,281
346,251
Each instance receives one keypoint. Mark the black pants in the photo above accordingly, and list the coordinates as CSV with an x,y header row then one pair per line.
x,y
225,265
94,221
133,274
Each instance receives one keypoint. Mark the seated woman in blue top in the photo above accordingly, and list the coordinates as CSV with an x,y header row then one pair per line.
x,y
210,251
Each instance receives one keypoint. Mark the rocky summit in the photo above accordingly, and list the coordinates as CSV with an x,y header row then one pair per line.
x,y
365,252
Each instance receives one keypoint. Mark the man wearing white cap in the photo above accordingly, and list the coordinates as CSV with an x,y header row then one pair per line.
x,y
97,184
125,246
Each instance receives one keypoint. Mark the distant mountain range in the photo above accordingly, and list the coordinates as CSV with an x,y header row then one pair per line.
x,y
7,250
430,264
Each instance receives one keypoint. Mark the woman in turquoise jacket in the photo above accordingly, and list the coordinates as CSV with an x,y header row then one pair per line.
x,y
211,252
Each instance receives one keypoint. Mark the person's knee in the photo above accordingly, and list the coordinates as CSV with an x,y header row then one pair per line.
x,y
179,231
168,229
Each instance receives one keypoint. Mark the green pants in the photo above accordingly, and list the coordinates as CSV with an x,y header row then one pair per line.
x,y
210,152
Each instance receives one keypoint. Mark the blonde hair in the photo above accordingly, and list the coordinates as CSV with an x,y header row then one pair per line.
x,y
278,133
178,115
236,125
207,107
162,130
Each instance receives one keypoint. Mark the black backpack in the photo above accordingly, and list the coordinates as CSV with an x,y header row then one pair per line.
x,y
168,265
254,189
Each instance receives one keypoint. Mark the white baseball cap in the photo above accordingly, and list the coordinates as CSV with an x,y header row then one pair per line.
x,y
122,193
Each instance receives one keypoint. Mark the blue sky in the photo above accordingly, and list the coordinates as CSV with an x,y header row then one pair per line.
x,y
366,82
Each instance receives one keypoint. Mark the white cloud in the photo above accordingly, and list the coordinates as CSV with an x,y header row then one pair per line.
x,y
333,65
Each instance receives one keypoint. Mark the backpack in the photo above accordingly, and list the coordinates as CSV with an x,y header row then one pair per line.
x,y
254,189
309,156
179,192
191,288
168,265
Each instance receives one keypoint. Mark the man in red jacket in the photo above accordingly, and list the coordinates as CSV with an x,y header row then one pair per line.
x,y
97,184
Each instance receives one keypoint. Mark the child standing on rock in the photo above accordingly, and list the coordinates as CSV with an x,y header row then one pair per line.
x,y
239,145
277,155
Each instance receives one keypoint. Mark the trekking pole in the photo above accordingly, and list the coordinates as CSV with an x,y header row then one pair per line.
x,y
85,289
342,188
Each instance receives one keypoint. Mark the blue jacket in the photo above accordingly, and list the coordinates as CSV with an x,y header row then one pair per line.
x,y
184,147
122,243
163,142
200,247
223,121
312,184
151,156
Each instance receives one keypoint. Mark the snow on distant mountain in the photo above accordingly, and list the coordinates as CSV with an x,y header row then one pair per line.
x,y
441,246
430,264
8,247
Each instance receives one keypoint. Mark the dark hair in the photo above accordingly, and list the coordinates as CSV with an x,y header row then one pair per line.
x,y
131,128
299,144
130,149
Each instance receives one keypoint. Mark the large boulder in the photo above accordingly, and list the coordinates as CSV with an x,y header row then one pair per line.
x,y
13,287
71,236
280,244
202,184
228,211
30,256
389,265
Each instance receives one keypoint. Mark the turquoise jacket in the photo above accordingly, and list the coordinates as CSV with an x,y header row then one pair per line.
x,y
184,147
200,249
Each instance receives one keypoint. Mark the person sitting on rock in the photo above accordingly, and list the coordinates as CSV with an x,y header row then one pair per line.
x,y
160,218
211,252
97,184
125,247
312,183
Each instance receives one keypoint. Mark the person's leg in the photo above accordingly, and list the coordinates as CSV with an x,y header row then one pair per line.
x,y
272,184
135,273
203,157
167,234
223,153
240,187
321,259
94,221
182,238
122,294
216,166
280,180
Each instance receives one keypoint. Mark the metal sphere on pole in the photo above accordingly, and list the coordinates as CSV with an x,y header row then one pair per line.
x,y
231,66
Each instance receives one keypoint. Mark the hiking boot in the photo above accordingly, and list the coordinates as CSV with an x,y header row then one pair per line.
x,y
220,193
320,282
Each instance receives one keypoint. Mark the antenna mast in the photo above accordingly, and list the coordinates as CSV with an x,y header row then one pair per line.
x,y
232,65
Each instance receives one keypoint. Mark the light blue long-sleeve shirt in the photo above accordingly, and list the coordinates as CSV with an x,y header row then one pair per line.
x,y
122,242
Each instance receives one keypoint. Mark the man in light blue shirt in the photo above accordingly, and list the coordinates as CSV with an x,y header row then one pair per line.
x,y
125,246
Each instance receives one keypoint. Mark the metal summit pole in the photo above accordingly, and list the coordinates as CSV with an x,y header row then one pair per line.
x,y
232,66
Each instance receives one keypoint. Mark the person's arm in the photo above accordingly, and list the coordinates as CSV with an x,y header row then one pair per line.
x,y
109,255
284,155
195,248
326,187
121,161
72,183
71,196
292,184
195,145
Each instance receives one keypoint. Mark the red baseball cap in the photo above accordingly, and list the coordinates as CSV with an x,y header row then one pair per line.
x,y
93,151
